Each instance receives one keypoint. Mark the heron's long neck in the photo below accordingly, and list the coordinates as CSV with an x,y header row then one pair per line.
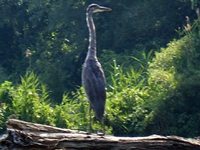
x,y
92,35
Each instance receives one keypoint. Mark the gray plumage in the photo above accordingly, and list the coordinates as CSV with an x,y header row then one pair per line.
x,y
93,79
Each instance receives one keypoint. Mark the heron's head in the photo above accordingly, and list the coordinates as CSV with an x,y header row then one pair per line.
x,y
94,8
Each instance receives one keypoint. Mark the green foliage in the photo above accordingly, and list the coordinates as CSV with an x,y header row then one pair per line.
x,y
72,113
30,101
195,3
126,109
2,117
57,36
5,103
174,82
147,92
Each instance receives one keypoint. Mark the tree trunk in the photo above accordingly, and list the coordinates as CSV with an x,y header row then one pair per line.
x,y
23,135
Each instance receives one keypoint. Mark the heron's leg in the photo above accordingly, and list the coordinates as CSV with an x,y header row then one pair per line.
x,y
90,127
103,126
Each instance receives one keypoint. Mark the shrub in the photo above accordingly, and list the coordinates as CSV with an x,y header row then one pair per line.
x,y
5,103
30,101
174,82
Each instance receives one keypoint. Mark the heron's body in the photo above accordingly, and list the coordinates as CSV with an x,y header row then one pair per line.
x,y
93,79
94,85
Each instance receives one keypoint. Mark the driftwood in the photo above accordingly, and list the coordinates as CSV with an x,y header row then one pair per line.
x,y
30,136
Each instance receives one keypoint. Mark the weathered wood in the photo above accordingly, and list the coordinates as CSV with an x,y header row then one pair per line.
x,y
23,135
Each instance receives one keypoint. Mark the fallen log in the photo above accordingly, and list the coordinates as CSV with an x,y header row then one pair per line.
x,y
23,135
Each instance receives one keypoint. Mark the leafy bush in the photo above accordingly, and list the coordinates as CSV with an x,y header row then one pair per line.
x,y
5,103
174,86
71,113
126,110
30,101
2,116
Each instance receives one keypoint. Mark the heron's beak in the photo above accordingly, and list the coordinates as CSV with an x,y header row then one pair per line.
x,y
101,9
105,8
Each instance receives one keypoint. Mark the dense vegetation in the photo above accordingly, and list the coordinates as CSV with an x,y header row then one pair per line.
x,y
149,51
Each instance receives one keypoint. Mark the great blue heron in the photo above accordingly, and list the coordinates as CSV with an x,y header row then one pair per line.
x,y
93,79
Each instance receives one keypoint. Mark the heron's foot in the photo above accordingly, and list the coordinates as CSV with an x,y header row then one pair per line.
x,y
89,133
100,133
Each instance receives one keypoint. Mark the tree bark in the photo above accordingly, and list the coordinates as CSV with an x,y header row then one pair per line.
x,y
23,135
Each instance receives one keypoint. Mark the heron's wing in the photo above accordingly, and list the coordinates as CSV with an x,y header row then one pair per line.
x,y
94,85
94,81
